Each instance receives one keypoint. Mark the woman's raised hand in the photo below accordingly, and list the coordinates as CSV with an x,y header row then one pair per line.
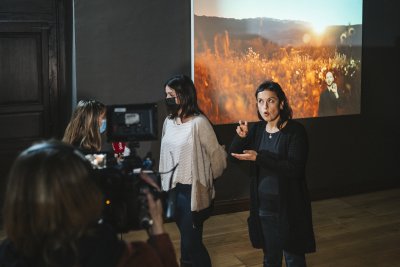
x,y
242,130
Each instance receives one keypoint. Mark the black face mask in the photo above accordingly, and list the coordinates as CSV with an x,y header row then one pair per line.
x,y
171,102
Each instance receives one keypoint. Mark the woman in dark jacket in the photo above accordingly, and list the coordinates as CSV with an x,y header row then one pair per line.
x,y
277,146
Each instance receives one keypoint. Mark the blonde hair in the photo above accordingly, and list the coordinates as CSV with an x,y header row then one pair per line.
x,y
83,130
50,202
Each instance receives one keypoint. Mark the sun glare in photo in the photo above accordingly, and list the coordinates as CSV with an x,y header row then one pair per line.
x,y
319,28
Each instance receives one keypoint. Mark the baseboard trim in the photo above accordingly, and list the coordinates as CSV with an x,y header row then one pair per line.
x,y
237,205
352,189
230,206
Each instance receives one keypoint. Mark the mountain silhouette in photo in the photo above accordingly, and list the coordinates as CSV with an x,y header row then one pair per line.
x,y
280,32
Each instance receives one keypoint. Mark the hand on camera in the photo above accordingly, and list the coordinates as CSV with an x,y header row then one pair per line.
x,y
154,205
148,180
156,213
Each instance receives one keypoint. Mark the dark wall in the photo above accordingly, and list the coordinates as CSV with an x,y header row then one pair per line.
x,y
127,49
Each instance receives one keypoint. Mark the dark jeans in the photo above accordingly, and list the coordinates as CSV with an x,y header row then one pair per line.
x,y
193,251
273,249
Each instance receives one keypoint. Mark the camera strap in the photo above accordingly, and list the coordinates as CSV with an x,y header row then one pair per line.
x,y
172,175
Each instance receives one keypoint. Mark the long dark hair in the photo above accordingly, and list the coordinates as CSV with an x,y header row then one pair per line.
x,y
186,93
51,201
83,129
286,112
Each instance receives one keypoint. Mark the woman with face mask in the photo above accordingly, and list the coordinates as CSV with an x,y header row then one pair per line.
x,y
189,140
277,148
86,126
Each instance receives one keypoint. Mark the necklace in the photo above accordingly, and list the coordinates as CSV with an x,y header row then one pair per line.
x,y
271,131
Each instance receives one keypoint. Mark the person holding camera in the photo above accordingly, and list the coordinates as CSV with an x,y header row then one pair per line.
x,y
87,124
51,216
189,143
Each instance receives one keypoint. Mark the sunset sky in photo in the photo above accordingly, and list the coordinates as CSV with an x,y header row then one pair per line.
x,y
330,12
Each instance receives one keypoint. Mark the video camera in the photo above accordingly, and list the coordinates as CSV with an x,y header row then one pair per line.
x,y
122,181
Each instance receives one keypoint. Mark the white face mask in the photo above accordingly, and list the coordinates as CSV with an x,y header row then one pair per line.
x,y
103,125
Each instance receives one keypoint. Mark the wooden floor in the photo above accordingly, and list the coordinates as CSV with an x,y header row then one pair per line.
x,y
356,231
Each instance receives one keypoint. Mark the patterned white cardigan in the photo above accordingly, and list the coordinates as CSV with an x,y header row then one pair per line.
x,y
208,162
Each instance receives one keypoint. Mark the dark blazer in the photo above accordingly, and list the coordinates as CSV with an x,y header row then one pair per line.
x,y
295,217
328,103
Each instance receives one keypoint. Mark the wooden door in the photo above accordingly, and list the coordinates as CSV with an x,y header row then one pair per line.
x,y
28,83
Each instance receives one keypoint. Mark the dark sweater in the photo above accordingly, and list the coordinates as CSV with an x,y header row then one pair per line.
x,y
103,248
295,217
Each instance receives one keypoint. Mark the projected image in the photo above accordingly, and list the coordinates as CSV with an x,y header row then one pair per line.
x,y
312,48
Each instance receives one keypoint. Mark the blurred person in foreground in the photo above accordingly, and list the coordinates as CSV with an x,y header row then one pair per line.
x,y
52,214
